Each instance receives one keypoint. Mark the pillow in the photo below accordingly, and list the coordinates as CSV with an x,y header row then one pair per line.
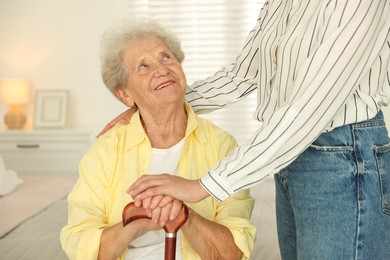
x,y
9,180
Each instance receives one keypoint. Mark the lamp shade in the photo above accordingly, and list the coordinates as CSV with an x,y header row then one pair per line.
x,y
14,91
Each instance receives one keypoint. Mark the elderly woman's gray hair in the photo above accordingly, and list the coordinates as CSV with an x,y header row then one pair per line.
x,y
115,41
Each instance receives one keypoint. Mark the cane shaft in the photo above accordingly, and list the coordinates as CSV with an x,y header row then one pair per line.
x,y
170,247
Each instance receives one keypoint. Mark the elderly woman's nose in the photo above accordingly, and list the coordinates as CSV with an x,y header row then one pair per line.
x,y
161,70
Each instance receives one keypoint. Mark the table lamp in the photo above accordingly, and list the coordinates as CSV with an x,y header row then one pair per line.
x,y
14,92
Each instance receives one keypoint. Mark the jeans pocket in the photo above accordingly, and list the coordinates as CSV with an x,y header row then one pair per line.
x,y
382,154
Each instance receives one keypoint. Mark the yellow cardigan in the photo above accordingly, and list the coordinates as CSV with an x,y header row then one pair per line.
x,y
120,157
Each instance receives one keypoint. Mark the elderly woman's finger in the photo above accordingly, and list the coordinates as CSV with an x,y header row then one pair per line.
x,y
176,208
146,202
166,200
156,215
164,214
155,201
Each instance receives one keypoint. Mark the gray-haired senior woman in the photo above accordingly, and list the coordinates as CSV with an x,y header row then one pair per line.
x,y
142,67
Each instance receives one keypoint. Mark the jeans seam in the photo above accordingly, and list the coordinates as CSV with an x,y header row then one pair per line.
x,y
358,190
371,124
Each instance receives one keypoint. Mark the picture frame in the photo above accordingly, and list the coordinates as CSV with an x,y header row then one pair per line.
x,y
50,108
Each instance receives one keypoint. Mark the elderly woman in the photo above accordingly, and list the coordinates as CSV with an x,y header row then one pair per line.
x,y
141,65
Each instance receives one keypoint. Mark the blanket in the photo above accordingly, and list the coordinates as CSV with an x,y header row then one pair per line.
x,y
31,197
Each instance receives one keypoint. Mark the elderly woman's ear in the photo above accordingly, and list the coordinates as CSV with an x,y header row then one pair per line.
x,y
126,98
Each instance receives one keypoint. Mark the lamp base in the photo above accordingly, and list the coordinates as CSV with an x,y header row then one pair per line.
x,y
15,118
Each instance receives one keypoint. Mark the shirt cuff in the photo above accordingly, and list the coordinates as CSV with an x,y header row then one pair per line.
x,y
216,186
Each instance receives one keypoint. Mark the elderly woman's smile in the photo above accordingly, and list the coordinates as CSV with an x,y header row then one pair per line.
x,y
165,84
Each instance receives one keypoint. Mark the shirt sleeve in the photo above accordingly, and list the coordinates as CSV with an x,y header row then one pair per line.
x,y
80,238
357,32
235,212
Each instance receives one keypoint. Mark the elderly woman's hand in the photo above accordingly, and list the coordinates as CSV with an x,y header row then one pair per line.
x,y
124,118
170,211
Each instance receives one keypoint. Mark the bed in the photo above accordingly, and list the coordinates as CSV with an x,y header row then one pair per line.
x,y
33,214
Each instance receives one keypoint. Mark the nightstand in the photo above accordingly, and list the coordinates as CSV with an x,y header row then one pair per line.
x,y
44,152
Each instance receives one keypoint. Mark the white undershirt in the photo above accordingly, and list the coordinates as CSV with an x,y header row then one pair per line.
x,y
151,246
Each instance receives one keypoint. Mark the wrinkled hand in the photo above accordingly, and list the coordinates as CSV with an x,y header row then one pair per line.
x,y
161,215
124,118
165,184
147,225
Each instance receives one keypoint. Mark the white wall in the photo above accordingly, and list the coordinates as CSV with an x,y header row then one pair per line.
x,y
55,45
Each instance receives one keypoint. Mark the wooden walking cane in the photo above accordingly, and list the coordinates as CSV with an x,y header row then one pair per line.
x,y
131,212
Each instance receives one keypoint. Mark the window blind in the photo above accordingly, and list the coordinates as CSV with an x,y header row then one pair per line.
x,y
212,34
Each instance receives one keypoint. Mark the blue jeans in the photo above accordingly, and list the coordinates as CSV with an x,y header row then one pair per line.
x,y
333,201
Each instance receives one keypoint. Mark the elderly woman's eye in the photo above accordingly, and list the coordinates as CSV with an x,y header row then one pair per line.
x,y
143,66
167,57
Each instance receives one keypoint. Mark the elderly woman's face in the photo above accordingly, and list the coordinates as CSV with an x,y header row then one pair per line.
x,y
156,78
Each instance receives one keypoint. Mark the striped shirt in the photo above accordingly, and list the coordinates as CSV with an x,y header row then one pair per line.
x,y
316,65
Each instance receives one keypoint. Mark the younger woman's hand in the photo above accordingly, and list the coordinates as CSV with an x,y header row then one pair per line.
x,y
166,184
124,118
